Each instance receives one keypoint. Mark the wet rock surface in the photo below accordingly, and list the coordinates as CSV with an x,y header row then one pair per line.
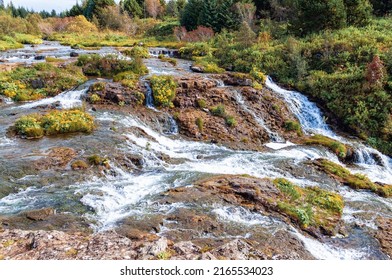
x,y
384,235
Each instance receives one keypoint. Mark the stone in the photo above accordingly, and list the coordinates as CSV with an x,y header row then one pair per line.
x,y
41,214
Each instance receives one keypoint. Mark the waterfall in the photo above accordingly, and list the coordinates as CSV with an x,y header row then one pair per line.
x,y
274,136
148,94
312,121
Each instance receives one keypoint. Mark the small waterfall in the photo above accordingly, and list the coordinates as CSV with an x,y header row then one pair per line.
x,y
66,100
148,94
307,112
173,127
312,121
275,137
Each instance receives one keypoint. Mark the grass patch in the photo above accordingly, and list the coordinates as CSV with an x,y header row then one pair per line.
x,y
293,126
335,146
311,206
355,181
53,123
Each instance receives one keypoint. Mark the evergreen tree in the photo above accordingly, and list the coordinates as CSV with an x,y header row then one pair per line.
x,y
92,7
227,17
316,15
172,8
359,12
208,16
382,7
132,7
190,14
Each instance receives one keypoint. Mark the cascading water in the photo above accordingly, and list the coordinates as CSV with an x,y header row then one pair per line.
x,y
167,162
312,121
274,136
148,94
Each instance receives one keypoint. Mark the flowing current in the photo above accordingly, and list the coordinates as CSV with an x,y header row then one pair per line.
x,y
110,198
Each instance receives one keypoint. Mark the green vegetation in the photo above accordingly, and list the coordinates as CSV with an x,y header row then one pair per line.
x,y
335,146
201,103
39,81
109,65
355,181
231,121
128,79
293,126
53,123
311,206
164,90
219,111
98,161
79,165
172,61
200,124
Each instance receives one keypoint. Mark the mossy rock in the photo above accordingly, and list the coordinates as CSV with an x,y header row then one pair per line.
x,y
338,148
355,181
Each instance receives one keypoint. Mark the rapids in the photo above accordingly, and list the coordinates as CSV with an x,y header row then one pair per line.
x,y
170,161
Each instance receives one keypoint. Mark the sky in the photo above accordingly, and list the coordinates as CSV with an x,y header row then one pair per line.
x,y
48,5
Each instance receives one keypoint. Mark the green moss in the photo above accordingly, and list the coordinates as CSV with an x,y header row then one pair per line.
x,y
293,126
98,161
94,98
53,123
335,146
310,206
355,181
208,66
79,165
137,51
164,90
170,60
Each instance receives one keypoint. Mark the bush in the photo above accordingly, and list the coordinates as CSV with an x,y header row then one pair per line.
x,y
53,123
293,126
164,90
39,81
201,103
127,79
219,111
110,65
200,124
231,121
137,51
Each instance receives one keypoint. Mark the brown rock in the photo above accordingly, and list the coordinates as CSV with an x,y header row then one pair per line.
x,y
384,235
41,214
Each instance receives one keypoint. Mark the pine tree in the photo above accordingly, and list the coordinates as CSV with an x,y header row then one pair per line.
x,y
382,7
132,7
208,16
190,14
227,17
359,12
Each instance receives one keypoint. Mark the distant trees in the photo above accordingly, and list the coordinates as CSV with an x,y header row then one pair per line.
x,y
132,7
215,14
382,7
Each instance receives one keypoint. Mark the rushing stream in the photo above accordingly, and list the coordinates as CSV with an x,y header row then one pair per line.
x,y
107,199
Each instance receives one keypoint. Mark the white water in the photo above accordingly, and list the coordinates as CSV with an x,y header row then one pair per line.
x,y
319,250
313,122
66,100
274,136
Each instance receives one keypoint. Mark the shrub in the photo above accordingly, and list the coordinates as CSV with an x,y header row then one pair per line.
x,y
53,123
109,65
200,124
39,81
293,126
164,90
231,121
95,98
201,103
127,79
219,111
208,66
137,51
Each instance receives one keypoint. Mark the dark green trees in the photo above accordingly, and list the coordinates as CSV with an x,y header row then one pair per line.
x,y
92,7
359,12
217,14
382,7
317,15
132,7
